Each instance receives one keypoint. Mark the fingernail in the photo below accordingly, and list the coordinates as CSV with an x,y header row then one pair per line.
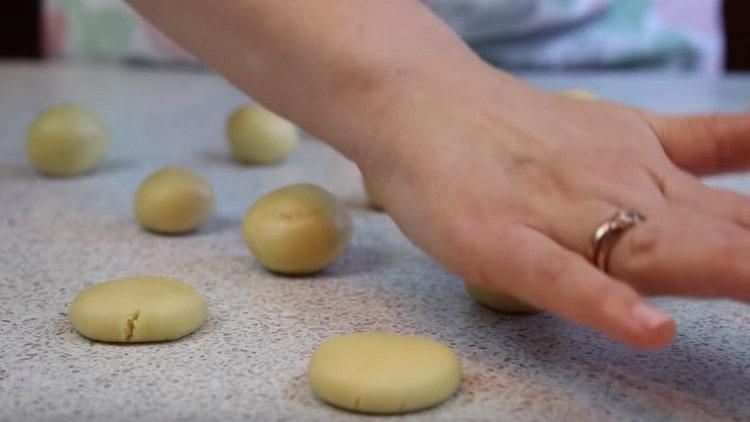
x,y
649,317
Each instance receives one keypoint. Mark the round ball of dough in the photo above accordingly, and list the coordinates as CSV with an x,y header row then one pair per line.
x,y
298,229
137,310
66,140
383,373
173,200
498,301
580,94
258,136
371,198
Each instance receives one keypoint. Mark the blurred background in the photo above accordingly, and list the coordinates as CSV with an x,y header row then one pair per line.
x,y
706,36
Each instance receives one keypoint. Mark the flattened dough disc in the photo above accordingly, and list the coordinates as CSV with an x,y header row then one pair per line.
x,y
137,310
383,373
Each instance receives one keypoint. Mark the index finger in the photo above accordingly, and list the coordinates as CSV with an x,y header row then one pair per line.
x,y
534,268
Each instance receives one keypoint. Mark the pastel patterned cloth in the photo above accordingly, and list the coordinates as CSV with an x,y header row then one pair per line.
x,y
512,34
677,34
104,30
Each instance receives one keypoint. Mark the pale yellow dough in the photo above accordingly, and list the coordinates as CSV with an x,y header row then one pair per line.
x,y
298,229
499,301
258,136
137,310
383,373
66,140
580,94
173,201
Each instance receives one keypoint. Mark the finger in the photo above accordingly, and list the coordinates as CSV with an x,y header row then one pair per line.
x,y
691,192
678,250
704,144
551,277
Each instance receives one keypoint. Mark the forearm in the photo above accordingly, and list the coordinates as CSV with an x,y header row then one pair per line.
x,y
335,67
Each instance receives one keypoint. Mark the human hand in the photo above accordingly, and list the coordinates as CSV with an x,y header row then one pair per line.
x,y
505,185
502,183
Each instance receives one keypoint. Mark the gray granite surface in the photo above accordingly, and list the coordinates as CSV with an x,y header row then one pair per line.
x,y
248,361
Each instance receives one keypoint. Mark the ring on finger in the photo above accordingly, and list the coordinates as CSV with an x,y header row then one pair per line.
x,y
606,234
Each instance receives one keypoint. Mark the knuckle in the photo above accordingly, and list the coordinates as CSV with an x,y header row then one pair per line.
x,y
641,248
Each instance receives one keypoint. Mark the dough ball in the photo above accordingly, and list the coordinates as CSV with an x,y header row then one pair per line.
x,y
383,373
298,229
498,301
580,94
137,310
371,198
173,200
257,136
66,140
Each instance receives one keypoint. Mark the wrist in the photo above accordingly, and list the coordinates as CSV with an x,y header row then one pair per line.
x,y
413,114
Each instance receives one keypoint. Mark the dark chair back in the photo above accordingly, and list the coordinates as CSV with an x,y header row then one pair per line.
x,y
20,21
737,30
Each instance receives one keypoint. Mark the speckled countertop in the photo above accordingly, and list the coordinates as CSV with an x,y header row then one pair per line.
x,y
248,361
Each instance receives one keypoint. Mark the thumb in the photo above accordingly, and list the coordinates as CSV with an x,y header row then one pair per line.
x,y
704,144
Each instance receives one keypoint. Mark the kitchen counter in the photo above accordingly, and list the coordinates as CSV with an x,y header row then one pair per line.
x,y
248,361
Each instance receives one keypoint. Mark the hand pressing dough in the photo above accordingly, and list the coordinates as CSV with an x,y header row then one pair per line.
x,y
580,94
371,198
258,136
173,201
383,373
298,229
66,140
137,310
498,301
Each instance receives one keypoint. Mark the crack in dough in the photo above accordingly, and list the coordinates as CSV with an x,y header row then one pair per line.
x,y
130,325
137,310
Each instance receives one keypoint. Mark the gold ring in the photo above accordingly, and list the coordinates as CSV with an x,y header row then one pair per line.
x,y
608,232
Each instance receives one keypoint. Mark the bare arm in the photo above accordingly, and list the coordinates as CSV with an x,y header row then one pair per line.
x,y
336,67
